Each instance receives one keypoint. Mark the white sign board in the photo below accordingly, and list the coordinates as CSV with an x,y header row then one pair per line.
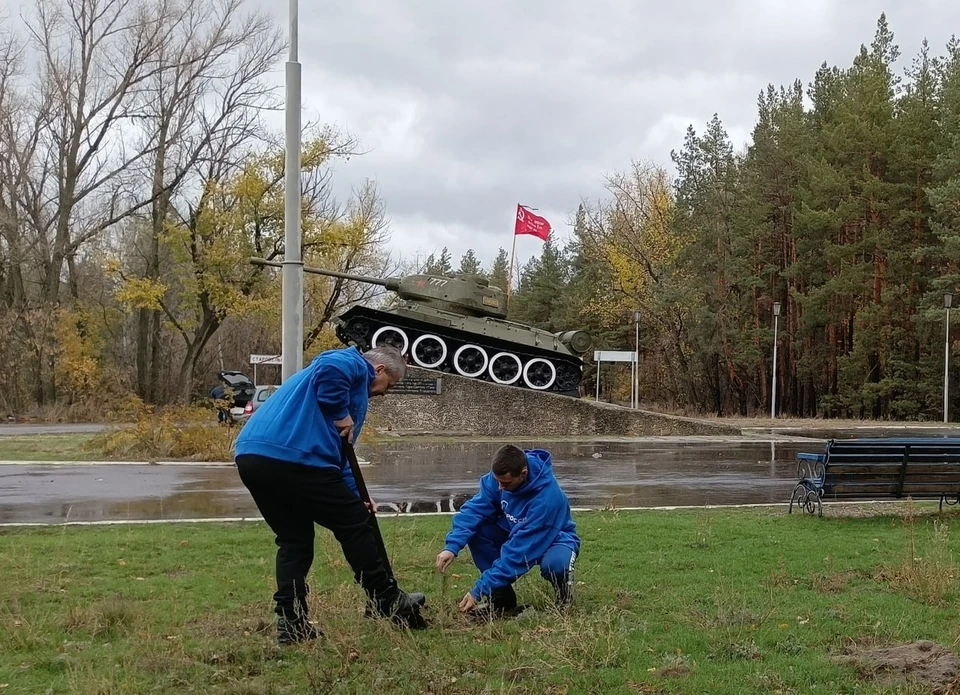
x,y
630,356
614,356
266,359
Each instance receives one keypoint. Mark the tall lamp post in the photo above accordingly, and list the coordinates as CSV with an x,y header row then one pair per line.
x,y
292,298
636,360
947,303
776,326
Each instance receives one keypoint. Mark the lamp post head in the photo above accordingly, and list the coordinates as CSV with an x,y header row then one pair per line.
x,y
776,308
947,301
636,317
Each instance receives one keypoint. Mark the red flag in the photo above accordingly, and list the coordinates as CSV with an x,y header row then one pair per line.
x,y
528,223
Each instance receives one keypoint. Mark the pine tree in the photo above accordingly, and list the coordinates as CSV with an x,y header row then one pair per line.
x,y
769,199
469,264
540,299
441,266
862,248
715,262
943,195
499,271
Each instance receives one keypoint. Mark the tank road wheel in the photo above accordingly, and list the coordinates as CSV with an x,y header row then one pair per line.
x,y
539,374
470,360
568,377
391,335
505,367
429,351
357,331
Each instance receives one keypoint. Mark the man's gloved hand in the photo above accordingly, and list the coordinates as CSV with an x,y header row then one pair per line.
x,y
443,560
345,427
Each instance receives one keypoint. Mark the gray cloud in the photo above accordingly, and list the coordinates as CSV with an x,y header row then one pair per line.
x,y
469,108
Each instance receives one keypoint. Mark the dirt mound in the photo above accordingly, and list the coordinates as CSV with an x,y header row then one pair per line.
x,y
921,662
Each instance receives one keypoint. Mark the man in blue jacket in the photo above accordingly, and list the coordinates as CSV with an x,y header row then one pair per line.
x,y
290,457
518,519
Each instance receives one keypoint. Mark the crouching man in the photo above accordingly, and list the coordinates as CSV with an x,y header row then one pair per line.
x,y
518,519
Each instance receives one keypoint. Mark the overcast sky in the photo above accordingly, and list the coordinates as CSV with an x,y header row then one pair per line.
x,y
468,107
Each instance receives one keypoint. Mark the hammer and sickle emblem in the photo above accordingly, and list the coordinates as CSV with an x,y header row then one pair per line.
x,y
520,214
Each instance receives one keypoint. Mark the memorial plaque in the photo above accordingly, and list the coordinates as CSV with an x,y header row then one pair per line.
x,y
417,386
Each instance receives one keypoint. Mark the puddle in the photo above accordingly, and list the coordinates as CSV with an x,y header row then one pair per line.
x,y
417,478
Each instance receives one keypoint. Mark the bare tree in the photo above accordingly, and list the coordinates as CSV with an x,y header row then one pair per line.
x,y
122,125
205,97
352,243
71,171
236,213
12,291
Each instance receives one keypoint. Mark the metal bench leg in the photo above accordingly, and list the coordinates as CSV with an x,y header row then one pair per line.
x,y
806,499
813,496
794,497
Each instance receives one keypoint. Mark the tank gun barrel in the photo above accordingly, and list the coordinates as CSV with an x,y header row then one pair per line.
x,y
389,283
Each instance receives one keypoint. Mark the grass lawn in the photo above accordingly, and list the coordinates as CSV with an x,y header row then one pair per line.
x,y
48,447
700,601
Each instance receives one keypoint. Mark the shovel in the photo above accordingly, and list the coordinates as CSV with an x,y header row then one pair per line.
x,y
418,621
365,496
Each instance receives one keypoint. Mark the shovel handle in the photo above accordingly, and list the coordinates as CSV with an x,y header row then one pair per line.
x,y
365,496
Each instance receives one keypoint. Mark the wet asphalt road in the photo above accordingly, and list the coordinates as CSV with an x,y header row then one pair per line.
x,y
416,478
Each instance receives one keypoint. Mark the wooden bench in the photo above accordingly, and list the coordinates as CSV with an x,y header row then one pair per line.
x,y
878,469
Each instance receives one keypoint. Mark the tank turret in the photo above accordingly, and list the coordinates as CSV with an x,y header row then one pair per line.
x,y
458,324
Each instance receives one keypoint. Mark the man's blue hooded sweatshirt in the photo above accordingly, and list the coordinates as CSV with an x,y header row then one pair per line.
x,y
296,423
537,516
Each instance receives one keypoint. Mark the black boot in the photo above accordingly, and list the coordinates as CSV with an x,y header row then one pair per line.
x,y
404,611
407,611
504,598
294,630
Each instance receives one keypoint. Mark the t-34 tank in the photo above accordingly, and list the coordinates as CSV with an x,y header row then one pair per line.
x,y
458,325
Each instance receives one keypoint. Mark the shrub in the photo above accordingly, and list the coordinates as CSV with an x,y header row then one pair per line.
x,y
144,432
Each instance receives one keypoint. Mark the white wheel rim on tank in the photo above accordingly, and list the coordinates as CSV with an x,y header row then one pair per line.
x,y
429,365
456,360
515,359
526,374
383,329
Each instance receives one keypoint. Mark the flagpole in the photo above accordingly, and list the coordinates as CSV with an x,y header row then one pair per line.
x,y
513,251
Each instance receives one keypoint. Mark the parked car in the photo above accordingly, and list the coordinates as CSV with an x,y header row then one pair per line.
x,y
261,394
232,394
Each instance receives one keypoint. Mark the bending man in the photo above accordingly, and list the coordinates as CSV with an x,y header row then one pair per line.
x,y
290,457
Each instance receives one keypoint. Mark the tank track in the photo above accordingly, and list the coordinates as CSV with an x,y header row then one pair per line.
x,y
532,369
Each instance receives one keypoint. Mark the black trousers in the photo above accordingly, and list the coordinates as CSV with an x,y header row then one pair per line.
x,y
292,497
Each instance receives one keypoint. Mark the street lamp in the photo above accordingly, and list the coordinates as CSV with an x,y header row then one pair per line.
x,y
636,360
292,293
947,303
776,325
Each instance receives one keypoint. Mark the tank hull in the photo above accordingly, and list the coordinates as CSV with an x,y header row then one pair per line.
x,y
484,348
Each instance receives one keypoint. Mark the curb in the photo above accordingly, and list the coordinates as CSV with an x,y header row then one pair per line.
x,y
395,515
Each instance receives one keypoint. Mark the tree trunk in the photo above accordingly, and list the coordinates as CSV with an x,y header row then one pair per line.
x,y
143,357
207,329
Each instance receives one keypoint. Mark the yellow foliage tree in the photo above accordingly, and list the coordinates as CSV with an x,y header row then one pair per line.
x,y
80,342
630,233
238,213
353,240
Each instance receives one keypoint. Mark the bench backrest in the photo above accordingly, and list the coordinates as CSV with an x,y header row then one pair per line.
x,y
895,467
